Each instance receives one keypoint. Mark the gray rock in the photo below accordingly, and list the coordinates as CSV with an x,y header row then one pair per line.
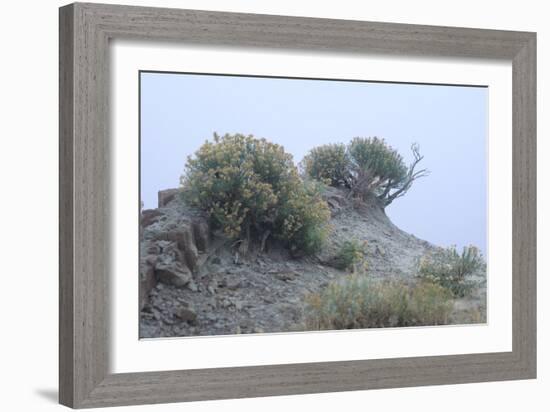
x,y
151,259
156,314
187,246
286,276
167,320
147,282
172,273
183,245
192,286
201,233
153,249
187,314
150,216
166,196
233,284
169,251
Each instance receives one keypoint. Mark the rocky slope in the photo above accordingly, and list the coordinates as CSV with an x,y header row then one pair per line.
x,y
193,283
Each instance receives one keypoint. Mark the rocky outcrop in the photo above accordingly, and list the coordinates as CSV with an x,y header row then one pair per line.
x,y
201,234
193,284
167,196
147,282
171,242
149,216
183,242
170,267
336,201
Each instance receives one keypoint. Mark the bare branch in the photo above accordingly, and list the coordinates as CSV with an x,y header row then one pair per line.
x,y
412,175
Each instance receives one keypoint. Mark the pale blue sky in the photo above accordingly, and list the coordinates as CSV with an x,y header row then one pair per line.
x,y
180,111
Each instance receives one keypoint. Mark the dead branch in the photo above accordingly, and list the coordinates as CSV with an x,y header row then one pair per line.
x,y
412,175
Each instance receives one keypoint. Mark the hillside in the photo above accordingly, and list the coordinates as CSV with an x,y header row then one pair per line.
x,y
193,282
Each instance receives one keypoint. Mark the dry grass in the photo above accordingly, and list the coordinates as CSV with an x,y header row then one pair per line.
x,y
358,302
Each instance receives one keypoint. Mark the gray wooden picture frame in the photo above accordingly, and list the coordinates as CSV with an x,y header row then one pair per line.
x,y
85,31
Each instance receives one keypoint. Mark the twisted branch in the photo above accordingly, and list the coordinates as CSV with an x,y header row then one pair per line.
x,y
411,176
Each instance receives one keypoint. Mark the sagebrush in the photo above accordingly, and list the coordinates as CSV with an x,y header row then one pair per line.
x,y
302,219
251,188
328,164
359,302
366,166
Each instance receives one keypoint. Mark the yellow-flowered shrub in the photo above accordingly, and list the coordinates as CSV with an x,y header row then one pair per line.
x,y
250,187
303,219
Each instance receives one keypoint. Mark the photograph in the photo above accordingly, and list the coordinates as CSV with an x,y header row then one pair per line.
x,y
287,205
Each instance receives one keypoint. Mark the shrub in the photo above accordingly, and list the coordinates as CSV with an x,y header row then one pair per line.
x,y
251,187
452,270
350,255
328,164
375,164
359,302
365,166
430,304
303,219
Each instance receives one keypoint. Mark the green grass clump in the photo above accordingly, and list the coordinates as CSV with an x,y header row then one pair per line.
x,y
452,270
350,256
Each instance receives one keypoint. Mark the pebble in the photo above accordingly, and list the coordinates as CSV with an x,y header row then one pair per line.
x,y
187,315
192,286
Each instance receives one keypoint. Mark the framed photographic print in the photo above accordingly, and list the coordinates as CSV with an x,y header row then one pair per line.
x,y
255,205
